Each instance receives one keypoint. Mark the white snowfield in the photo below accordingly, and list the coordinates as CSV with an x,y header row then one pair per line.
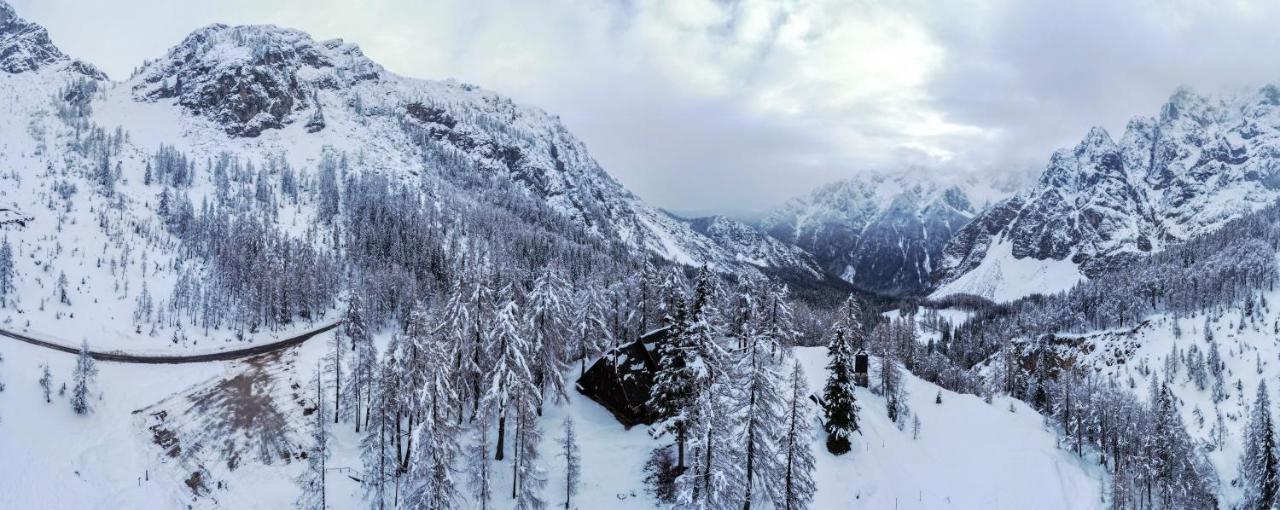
x,y
969,454
1001,277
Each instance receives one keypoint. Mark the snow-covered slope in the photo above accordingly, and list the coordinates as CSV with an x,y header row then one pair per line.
x,y
1198,164
1170,348
970,454
263,89
880,231
266,97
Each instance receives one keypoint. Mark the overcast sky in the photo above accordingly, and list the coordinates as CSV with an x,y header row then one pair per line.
x,y
735,106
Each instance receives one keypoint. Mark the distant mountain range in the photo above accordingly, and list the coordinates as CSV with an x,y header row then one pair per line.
x,y
259,91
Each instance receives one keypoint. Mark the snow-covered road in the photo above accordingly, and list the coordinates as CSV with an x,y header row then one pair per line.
x,y
228,355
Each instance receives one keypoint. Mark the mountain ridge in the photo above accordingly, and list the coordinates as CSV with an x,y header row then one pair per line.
x,y
1197,164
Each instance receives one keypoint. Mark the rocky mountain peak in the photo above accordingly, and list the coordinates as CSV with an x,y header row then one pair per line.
x,y
881,231
26,46
1197,164
1185,102
252,78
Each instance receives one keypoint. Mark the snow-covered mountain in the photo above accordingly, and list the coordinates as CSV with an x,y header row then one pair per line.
x,y
265,97
1196,165
880,231
271,88
755,247
25,46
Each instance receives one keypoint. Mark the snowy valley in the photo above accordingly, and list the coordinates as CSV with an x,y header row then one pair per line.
x,y
265,271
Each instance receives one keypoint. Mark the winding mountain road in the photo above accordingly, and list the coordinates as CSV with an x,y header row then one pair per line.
x,y
229,355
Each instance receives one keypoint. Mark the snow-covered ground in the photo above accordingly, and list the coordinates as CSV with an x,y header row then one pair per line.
x,y
53,458
969,454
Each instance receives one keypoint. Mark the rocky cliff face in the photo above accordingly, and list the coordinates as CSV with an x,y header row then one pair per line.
x,y
879,232
25,46
252,78
1186,171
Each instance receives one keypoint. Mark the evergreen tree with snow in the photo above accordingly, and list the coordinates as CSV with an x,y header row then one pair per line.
x,y
510,379
333,363
312,481
841,408
895,392
1214,361
6,270
466,341
1259,467
546,316
796,484
674,383
433,468
328,195
849,319
363,363
592,334
377,443
527,477
61,290
764,414
572,461
46,382
715,476
688,360
83,376
480,475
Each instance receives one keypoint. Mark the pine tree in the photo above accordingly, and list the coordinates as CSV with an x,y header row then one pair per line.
x,y
546,315
6,270
797,484
480,477
763,408
510,378
467,341
688,362
572,461
83,376
1259,467
895,393
849,319
437,434
313,480
328,200
673,389
363,363
779,319
380,462
592,334
715,478
46,382
62,289
527,477
333,365
1215,367
841,412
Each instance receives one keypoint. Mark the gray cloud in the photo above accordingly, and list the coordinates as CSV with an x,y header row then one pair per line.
x,y
710,105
